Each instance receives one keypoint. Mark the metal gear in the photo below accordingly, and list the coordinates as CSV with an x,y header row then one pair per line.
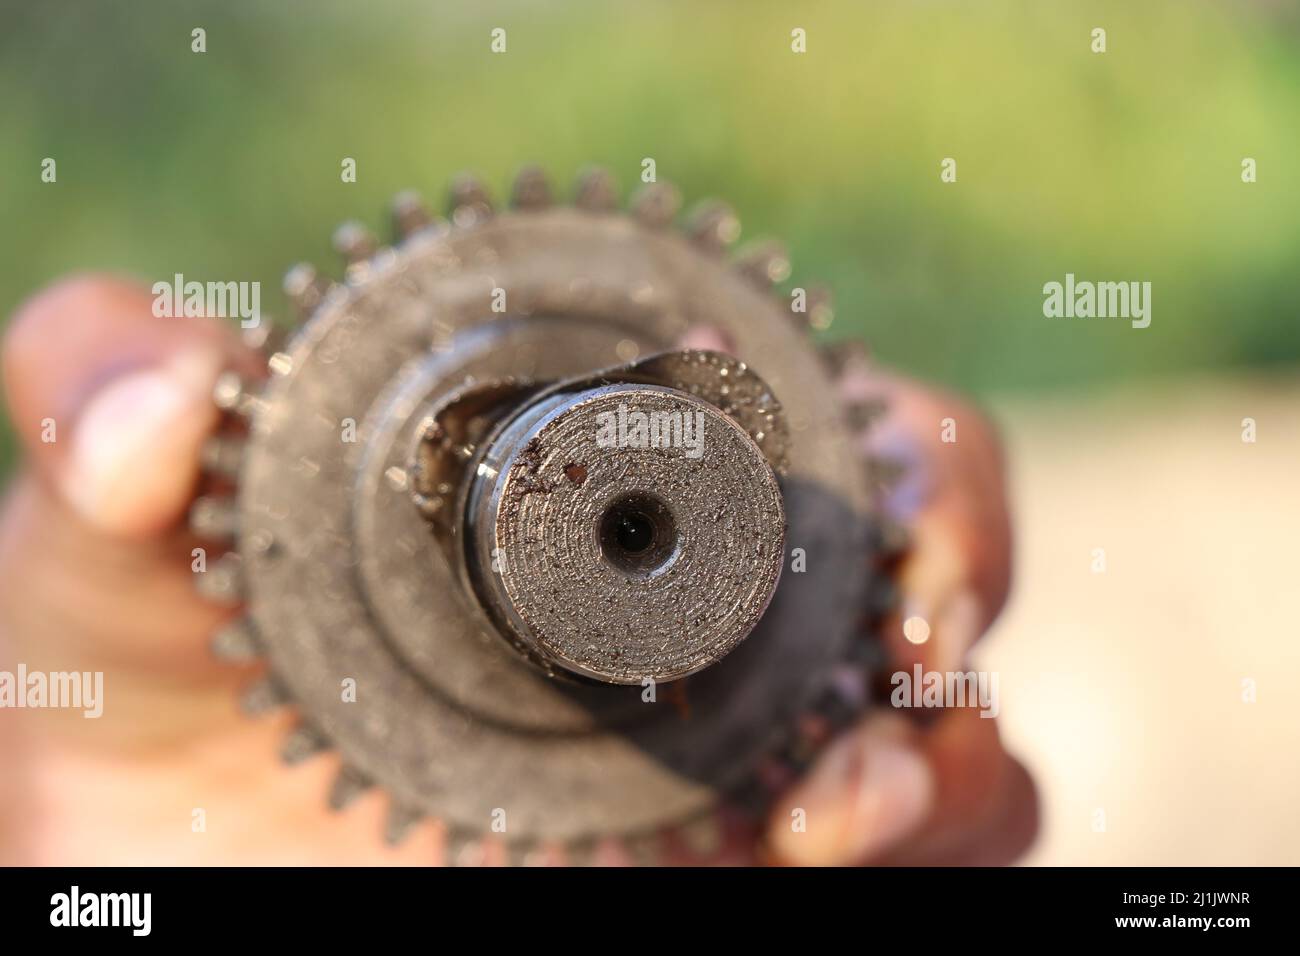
x,y
484,610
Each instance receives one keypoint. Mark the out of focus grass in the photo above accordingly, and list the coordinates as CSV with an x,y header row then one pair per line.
x,y
1117,166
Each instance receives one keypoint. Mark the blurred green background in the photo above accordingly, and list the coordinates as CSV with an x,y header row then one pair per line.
x,y
1120,166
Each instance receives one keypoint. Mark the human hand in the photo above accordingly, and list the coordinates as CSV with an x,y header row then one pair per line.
x,y
913,788
95,576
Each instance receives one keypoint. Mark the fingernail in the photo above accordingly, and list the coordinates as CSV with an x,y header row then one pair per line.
x,y
127,469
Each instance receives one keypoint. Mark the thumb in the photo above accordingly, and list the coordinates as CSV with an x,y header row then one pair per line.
x,y
113,403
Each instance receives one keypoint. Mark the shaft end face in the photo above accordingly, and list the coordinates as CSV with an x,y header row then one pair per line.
x,y
625,532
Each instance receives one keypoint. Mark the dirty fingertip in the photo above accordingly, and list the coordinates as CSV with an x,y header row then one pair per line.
x,y
135,446
869,791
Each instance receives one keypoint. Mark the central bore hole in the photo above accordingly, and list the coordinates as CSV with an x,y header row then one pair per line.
x,y
638,534
634,532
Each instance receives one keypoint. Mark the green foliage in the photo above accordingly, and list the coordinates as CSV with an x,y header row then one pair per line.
x,y
1123,165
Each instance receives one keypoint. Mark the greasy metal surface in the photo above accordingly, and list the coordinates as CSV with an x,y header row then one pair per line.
x,y
344,581
457,423
609,613
553,504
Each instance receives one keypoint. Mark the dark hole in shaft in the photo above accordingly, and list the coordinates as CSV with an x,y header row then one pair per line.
x,y
638,534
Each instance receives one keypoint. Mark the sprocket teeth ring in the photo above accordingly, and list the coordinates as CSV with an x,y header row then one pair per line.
x,y
326,556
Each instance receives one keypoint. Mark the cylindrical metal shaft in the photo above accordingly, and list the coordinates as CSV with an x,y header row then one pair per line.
x,y
624,533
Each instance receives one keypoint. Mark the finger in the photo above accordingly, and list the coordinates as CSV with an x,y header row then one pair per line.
x,y
959,482
111,402
87,571
955,576
986,806
870,789
70,593
890,793
1000,837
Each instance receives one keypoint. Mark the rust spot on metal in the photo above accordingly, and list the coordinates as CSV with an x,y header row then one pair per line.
x,y
575,473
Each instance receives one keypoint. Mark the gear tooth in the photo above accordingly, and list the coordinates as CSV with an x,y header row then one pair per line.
x,y
876,668
843,698
775,775
279,363
410,214
580,852
596,191
262,697
799,747
263,337
820,308
765,263
399,823
523,853
236,642
882,597
221,456
298,281
889,539
884,472
460,848
221,583
348,785
550,853
645,849
355,243
866,653
702,836
864,412
846,356
305,289
750,798
469,203
656,204
303,742
713,226
531,189
231,394
213,518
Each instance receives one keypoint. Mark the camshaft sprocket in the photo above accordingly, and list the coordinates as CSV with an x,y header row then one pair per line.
x,y
480,702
